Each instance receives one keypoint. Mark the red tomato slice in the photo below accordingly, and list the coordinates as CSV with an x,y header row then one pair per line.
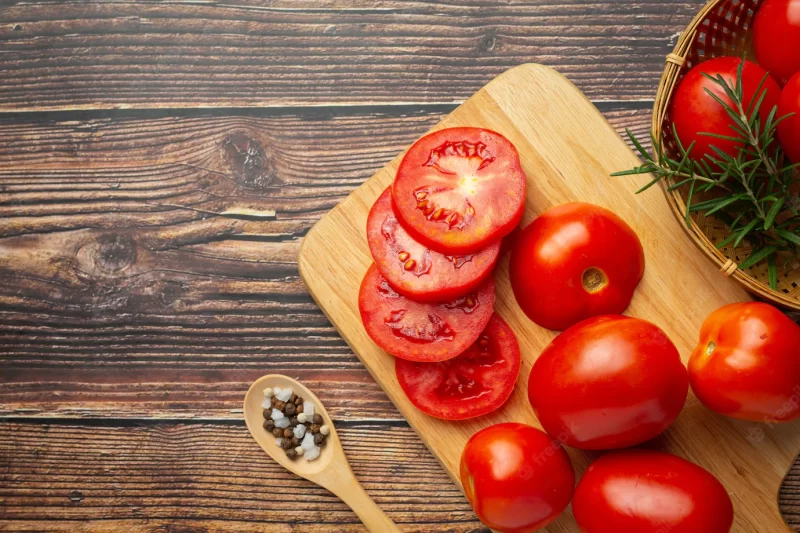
x,y
457,190
416,271
473,384
420,331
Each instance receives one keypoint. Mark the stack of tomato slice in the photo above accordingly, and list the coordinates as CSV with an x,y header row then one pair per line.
x,y
429,298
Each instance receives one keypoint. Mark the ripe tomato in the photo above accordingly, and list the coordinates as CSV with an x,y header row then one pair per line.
x,y
573,262
647,491
789,129
420,331
694,111
516,478
458,190
473,384
416,271
776,37
747,364
608,382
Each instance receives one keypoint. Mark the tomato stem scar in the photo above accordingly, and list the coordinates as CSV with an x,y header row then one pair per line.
x,y
710,348
594,280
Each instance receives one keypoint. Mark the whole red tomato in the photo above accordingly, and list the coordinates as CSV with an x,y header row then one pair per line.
x,y
516,478
645,491
694,111
575,261
776,37
789,128
747,364
608,382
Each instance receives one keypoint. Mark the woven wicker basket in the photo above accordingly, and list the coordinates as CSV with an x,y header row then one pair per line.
x,y
722,28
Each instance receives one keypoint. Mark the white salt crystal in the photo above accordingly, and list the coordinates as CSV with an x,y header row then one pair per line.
x,y
279,442
299,431
283,394
267,403
312,454
308,442
308,409
282,423
277,414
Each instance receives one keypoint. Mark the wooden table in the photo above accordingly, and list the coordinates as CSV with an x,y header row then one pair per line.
x,y
159,166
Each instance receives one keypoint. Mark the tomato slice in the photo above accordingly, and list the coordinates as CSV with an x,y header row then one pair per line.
x,y
420,331
473,384
416,271
459,189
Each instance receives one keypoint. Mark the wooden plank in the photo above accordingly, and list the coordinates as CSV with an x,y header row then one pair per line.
x,y
206,477
247,54
111,307
210,477
559,136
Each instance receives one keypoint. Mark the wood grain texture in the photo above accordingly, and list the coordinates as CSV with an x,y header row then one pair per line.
x,y
558,134
209,478
246,53
122,297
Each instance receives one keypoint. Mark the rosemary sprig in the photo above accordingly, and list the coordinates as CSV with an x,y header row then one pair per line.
x,y
752,192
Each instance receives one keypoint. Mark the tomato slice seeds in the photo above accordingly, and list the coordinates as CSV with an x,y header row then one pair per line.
x,y
420,331
473,384
458,190
416,271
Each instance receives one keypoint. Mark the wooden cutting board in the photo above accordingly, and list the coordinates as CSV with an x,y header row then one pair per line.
x,y
568,151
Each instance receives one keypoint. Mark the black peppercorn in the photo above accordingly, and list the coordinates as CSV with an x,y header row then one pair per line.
x,y
277,433
279,405
298,401
293,398
269,425
267,413
319,438
290,409
314,428
295,442
293,422
291,453
318,419
288,433
286,444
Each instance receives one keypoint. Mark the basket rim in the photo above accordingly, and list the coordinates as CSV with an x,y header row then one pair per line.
x,y
669,80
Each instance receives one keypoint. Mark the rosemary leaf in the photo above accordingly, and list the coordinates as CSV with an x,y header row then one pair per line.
x,y
758,256
772,269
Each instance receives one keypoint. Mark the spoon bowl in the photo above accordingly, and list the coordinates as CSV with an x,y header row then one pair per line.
x,y
330,470
253,416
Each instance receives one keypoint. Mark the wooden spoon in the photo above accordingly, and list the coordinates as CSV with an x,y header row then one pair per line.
x,y
330,470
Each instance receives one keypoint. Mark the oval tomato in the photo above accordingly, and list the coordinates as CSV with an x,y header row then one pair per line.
x,y
694,111
573,262
516,478
458,190
776,37
747,364
646,491
416,271
473,384
789,128
420,331
608,382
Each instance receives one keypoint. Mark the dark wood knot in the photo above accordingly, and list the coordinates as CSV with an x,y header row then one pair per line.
x,y
249,163
113,253
488,42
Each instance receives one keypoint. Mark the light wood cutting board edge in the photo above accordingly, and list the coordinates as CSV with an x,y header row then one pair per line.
x,y
347,242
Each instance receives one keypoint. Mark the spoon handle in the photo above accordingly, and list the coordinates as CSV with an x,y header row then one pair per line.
x,y
367,510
